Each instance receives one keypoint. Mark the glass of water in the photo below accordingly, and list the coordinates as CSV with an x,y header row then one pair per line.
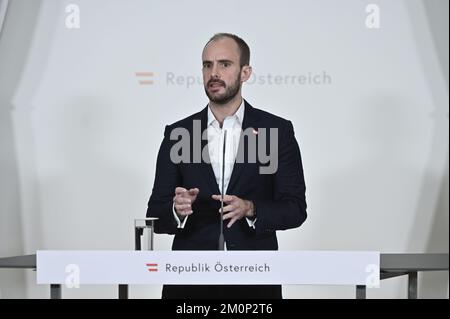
x,y
144,233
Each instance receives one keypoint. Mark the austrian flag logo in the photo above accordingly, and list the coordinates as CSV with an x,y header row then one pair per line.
x,y
152,266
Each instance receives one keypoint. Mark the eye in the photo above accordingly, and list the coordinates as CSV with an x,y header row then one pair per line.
x,y
225,64
206,65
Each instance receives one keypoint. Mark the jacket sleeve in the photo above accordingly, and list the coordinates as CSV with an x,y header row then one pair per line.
x,y
167,178
287,208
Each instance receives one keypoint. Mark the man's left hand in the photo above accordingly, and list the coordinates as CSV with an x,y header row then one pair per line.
x,y
236,208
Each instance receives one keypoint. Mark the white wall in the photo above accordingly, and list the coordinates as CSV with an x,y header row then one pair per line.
x,y
80,135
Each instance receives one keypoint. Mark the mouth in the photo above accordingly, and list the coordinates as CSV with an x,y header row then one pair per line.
x,y
215,85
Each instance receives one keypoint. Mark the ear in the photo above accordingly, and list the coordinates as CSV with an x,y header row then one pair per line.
x,y
246,72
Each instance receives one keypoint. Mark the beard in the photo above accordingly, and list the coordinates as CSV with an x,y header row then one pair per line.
x,y
230,91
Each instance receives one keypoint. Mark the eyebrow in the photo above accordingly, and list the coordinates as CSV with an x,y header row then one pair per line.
x,y
221,61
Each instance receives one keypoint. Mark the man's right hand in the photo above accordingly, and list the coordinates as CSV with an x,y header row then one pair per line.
x,y
183,200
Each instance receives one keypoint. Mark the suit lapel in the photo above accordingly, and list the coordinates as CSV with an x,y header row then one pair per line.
x,y
250,121
205,167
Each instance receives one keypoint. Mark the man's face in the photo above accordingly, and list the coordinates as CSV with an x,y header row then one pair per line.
x,y
222,76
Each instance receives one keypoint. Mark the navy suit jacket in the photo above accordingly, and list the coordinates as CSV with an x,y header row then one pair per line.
x,y
279,198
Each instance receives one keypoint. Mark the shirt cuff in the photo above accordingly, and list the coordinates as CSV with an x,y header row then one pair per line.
x,y
251,223
180,224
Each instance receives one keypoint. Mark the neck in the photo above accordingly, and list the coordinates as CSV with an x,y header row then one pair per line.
x,y
221,111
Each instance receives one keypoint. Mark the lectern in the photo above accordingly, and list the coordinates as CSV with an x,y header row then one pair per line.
x,y
227,267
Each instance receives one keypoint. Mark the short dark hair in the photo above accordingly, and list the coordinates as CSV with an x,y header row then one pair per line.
x,y
244,50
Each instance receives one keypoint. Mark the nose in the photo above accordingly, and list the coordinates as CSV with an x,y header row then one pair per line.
x,y
215,72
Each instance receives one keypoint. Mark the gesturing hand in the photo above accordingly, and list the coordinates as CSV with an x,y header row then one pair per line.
x,y
236,208
184,199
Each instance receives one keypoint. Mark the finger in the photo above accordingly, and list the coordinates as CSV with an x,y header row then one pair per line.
x,y
185,213
192,197
229,215
180,190
232,221
182,200
229,198
226,198
194,191
228,208
183,207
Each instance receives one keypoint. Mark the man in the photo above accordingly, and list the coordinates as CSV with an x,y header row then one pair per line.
x,y
259,199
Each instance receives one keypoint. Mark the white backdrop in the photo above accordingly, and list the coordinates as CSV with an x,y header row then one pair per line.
x,y
81,134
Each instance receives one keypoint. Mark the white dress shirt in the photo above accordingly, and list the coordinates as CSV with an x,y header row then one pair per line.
x,y
233,126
